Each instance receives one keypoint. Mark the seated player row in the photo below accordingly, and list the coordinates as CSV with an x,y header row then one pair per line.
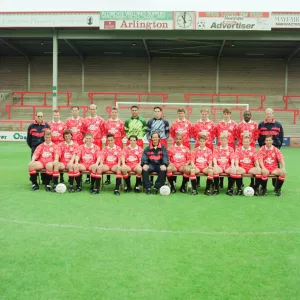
x,y
156,158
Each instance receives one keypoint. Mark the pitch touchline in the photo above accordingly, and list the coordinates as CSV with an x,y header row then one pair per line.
x,y
141,230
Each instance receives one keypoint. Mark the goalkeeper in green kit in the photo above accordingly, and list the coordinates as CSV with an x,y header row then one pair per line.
x,y
136,125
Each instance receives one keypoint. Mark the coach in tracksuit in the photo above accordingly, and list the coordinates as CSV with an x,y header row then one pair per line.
x,y
35,132
158,125
270,127
154,159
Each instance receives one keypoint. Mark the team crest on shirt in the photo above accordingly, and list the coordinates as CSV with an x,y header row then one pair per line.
x,y
186,125
136,153
87,157
113,130
92,127
51,149
116,153
46,154
98,122
208,126
60,128
117,125
273,154
71,149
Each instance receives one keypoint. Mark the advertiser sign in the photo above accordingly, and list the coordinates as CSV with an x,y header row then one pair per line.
x,y
246,21
12,136
80,19
136,20
285,20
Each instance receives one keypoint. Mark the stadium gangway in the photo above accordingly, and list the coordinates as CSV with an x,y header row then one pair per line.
x,y
44,94
262,97
286,99
19,122
34,108
296,112
139,95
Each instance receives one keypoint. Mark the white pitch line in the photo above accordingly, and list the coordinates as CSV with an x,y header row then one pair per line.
x,y
142,230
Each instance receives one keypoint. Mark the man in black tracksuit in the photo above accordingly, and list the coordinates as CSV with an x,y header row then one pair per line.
x,y
154,159
35,134
270,127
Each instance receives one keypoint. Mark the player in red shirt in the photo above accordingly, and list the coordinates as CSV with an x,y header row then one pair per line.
x,y
247,127
269,158
57,128
131,161
183,127
204,127
201,161
75,124
94,125
246,162
226,127
223,158
43,157
67,154
180,158
111,161
88,158
116,127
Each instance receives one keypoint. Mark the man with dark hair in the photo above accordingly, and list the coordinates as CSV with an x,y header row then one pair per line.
x,y
272,162
35,134
270,127
159,125
249,128
136,125
154,159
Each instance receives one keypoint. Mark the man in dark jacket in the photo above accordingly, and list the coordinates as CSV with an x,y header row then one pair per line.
x,y
158,125
270,127
35,132
154,159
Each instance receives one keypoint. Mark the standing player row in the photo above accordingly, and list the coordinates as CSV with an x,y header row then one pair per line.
x,y
137,125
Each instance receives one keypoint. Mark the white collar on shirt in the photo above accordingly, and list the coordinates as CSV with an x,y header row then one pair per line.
x,y
246,149
136,147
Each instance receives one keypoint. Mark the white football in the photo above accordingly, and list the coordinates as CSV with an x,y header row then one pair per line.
x,y
60,188
249,191
165,190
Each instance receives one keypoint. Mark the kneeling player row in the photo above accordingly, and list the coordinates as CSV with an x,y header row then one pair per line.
x,y
156,158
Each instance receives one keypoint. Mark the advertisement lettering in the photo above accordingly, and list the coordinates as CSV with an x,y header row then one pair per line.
x,y
10,136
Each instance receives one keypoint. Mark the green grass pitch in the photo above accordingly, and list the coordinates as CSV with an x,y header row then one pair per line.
x,y
79,246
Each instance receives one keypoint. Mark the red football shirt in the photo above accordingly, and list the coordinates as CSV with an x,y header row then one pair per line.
x,y
115,127
224,156
76,126
246,158
229,129
57,129
111,156
66,151
179,155
94,126
88,155
182,127
270,157
132,155
201,158
46,152
204,128
247,129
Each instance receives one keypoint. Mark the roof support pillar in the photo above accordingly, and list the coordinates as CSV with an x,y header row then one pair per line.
x,y
218,67
149,65
286,75
55,70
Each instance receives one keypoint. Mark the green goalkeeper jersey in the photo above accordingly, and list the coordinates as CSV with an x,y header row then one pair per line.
x,y
135,126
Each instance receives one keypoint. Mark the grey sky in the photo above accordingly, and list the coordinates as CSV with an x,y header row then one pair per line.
x,y
197,5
